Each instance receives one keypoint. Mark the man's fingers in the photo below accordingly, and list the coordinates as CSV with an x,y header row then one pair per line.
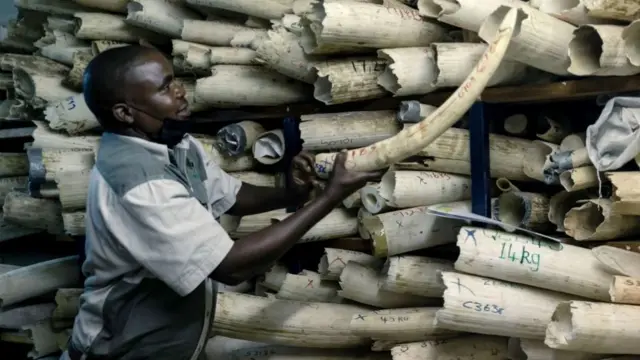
x,y
300,163
341,159
308,157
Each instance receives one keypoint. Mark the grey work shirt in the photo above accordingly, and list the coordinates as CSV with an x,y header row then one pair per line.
x,y
152,240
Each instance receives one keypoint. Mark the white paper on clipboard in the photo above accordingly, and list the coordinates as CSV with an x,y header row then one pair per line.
x,y
462,210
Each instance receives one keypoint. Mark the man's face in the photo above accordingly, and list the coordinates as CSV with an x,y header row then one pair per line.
x,y
153,90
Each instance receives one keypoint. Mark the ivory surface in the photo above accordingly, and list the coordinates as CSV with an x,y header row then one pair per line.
x,y
521,259
371,199
340,25
402,325
238,138
14,164
412,111
595,220
119,6
64,7
573,12
561,203
360,283
465,14
231,56
334,261
353,201
508,155
625,196
7,184
529,349
516,124
255,178
405,189
39,89
308,286
46,163
59,23
67,303
254,86
505,185
563,160
63,54
352,79
415,275
71,115
541,42
345,130
573,142
274,278
590,326
269,147
213,32
454,61
252,223
580,178
163,17
410,71
630,37
337,224
625,290
617,10
45,138
17,317
74,78
74,223
466,347
284,322
407,230
537,160
98,46
269,9
42,214
280,51
103,26
38,279
598,50
618,261
31,63
523,209
486,306
195,60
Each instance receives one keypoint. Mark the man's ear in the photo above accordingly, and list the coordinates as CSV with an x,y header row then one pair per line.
x,y
122,113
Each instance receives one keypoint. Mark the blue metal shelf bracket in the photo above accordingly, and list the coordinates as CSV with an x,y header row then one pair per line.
x,y
479,158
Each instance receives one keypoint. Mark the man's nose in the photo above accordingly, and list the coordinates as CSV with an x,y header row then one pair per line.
x,y
180,91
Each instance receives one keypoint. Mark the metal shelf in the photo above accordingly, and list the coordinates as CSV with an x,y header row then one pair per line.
x,y
479,115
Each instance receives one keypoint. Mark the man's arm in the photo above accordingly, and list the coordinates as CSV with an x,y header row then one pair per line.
x,y
250,255
180,242
252,199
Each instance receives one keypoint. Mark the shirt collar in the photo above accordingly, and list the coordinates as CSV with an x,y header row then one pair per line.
x,y
159,151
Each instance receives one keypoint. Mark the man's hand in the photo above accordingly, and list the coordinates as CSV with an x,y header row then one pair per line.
x,y
344,182
303,177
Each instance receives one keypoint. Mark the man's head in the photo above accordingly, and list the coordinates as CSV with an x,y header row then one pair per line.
x,y
132,88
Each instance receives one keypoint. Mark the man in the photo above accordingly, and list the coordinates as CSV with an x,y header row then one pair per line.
x,y
154,248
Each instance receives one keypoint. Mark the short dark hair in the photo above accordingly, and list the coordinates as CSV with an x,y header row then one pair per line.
x,y
104,80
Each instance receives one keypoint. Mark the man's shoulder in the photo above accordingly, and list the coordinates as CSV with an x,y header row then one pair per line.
x,y
125,167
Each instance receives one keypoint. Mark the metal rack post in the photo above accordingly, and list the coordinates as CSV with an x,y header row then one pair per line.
x,y
479,158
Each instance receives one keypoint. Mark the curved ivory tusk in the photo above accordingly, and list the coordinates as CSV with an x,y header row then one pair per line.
x,y
413,139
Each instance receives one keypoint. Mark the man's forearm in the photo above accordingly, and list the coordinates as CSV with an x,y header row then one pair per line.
x,y
253,199
261,249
